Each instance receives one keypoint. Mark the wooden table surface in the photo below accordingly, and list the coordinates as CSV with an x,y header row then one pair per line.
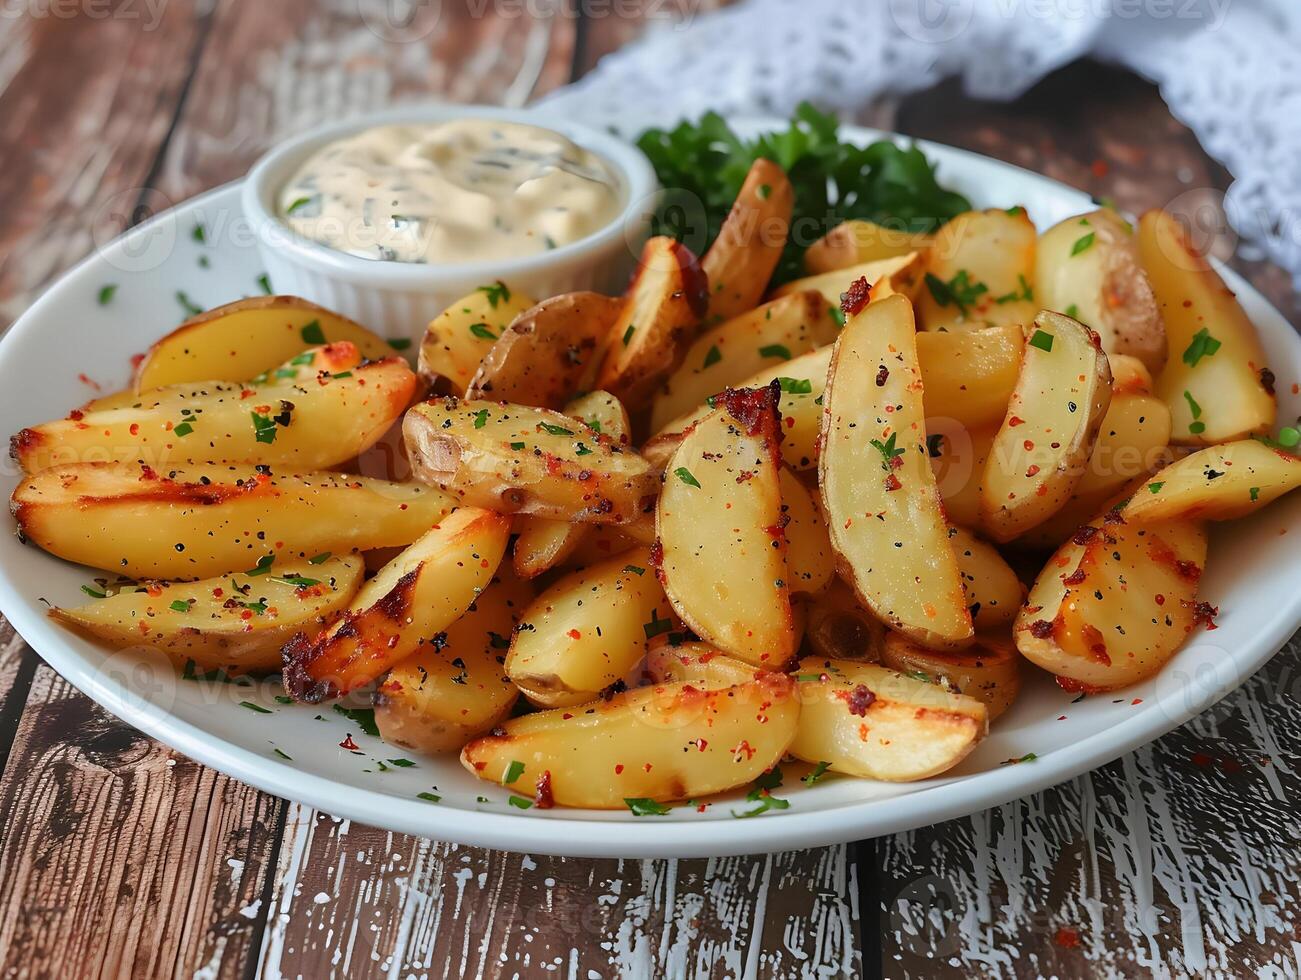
x,y
119,857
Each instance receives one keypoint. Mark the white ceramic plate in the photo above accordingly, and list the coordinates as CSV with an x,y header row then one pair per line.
x,y
1252,576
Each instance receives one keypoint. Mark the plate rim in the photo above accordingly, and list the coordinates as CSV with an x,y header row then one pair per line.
x,y
554,834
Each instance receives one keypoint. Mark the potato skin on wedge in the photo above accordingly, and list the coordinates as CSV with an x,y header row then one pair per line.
x,y
699,664
309,424
408,603
519,459
444,695
871,721
208,519
854,242
237,622
878,491
666,742
749,245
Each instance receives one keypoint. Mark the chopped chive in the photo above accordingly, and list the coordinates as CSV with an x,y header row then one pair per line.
x,y
429,797
519,802
555,430
1042,339
199,234
324,556
1202,345
282,755
1083,243
775,350
296,580
481,331
513,771
684,474
94,593
184,429
255,707
106,293
1255,495
712,356
796,386
634,569
627,334
312,332
517,446
299,203
283,699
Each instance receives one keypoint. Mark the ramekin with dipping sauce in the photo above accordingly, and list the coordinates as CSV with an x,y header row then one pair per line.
x,y
390,267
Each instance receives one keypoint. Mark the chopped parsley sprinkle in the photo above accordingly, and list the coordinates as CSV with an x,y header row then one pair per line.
x,y
887,449
264,427
796,386
837,314
634,569
818,771
627,334
364,717
1028,757
199,234
684,474
808,678
298,581
1196,426
324,556
1202,345
401,763
184,429
481,331
299,203
656,626
106,293
255,707
555,430
1083,244
520,803
496,293
399,343
1024,293
517,446
594,424
1073,312
180,605
341,374
775,350
513,771
429,797
641,806
581,450
1155,487
1015,211
282,755
481,418
264,283
762,794
1255,495
263,565
1042,339
959,291
283,699
306,357
712,356
259,607
187,304
94,593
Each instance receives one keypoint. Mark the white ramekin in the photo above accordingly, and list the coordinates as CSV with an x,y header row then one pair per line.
x,y
398,299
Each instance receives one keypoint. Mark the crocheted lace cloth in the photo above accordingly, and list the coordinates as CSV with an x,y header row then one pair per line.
x,y
1229,69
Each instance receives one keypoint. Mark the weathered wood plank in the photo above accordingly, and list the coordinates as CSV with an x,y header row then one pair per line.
x,y
119,857
17,667
355,901
85,108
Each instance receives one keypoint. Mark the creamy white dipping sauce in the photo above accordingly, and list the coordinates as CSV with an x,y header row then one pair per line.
x,y
467,190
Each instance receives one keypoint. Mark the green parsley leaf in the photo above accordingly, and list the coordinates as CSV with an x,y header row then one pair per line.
x,y
364,717
712,356
298,581
496,293
517,446
1024,293
818,771
312,333
1083,244
775,350
959,291
255,707
298,204
183,430
263,565
264,283
401,763
1073,312
180,605
764,191
1255,495
641,806
634,569
187,304
887,449
199,234
429,797
1155,487
481,418
837,314
796,386
1028,757
324,556
555,430
581,450
264,427
684,474
627,334
94,593
513,771
282,754
656,626
1202,345
1196,427
1042,339
399,343
519,802
481,331
106,293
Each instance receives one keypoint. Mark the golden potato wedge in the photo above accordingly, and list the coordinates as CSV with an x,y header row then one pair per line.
x,y
549,352
722,552
236,622
989,670
542,543
240,340
1041,452
742,258
667,742
698,664
969,375
727,354
1129,375
1216,382
878,491
958,458
517,459
1115,602
871,721
408,603
980,271
310,424
1088,268
461,336
587,631
449,692
840,627
901,273
661,311
994,592
1133,440
854,242
207,519
810,562
1218,483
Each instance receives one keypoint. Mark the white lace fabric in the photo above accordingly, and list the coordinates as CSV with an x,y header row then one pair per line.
x,y
1229,69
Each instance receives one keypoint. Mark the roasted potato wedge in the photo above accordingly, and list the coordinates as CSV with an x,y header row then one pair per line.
x,y
994,592
207,519
1115,602
901,273
980,271
698,664
878,490
549,352
542,543
1088,267
661,311
408,603
310,424
742,258
989,670
719,520
871,721
958,458
854,242
1129,375
1218,483
241,340
459,338
236,622
667,742
729,353
969,375
840,627
447,693
587,631
517,459
1041,452
810,562
1217,382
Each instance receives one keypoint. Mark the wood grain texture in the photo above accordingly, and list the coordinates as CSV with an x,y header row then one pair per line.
x,y
119,857
353,901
